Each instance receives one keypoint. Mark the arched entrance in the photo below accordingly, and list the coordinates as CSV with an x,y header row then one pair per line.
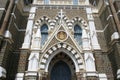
x,y
60,71
61,68
62,52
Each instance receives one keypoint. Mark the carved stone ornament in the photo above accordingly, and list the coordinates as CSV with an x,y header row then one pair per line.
x,y
61,35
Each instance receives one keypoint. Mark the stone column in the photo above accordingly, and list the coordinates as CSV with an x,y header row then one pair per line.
x,y
80,76
7,15
28,34
5,21
91,73
118,74
93,35
88,55
4,52
44,76
117,59
36,40
33,60
115,16
86,40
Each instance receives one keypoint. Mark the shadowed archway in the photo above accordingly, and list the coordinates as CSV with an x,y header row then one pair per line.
x,y
60,71
61,68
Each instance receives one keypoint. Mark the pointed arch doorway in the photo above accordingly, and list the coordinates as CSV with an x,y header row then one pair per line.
x,y
61,68
60,71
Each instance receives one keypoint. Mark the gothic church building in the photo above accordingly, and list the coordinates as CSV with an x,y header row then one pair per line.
x,y
59,39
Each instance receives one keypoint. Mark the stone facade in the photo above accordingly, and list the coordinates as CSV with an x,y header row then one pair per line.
x,y
23,57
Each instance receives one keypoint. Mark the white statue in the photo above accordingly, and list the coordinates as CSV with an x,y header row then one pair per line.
x,y
33,62
90,62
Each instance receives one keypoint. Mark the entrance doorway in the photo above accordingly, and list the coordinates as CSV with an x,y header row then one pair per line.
x,y
60,71
62,67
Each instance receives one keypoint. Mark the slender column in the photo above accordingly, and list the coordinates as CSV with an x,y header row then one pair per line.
x,y
4,54
44,76
36,40
93,35
118,74
28,33
2,72
85,40
5,21
115,15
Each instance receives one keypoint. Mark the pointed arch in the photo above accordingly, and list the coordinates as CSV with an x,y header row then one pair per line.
x,y
60,71
75,56
44,33
78,34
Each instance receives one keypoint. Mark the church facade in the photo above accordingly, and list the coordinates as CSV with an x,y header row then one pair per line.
x,y
59,40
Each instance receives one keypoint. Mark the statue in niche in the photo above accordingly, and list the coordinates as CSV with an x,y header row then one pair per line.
x,y
90,64
33,62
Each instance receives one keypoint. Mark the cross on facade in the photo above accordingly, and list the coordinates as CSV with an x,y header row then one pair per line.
x,y
61,14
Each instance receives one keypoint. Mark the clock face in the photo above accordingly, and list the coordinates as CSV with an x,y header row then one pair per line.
x,y
61,35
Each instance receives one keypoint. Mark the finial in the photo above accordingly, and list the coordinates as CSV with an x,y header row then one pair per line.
x,y
61,14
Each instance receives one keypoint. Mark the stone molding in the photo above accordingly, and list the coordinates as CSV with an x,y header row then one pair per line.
x,y
118,74
2,72
102,76
115,36
19,76
73,54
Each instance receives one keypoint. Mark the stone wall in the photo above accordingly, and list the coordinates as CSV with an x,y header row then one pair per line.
x,y
10,48
100,33
103,64
52,12
108,24
109,27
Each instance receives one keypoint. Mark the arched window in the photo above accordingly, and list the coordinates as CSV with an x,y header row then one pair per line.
x,y
46,1
27,2
75,2
44,33
78,34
